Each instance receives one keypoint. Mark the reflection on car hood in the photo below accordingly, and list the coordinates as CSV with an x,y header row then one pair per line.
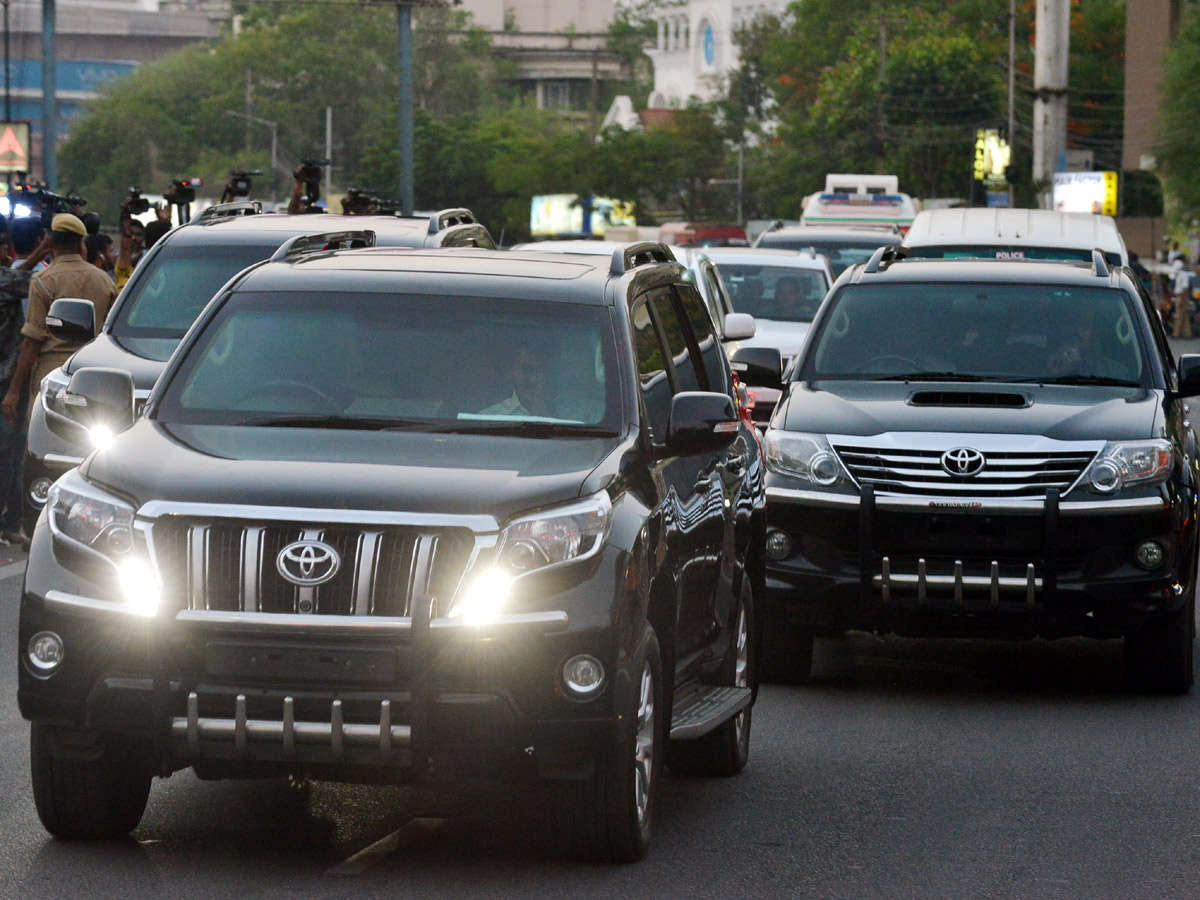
x,y
338,469
1061,412
106,352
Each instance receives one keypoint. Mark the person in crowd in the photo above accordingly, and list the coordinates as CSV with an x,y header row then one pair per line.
x,y
30,243
1181,296
69,275
14,289
99,252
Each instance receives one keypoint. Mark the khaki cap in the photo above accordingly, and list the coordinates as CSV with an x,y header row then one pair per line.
x,y
69,224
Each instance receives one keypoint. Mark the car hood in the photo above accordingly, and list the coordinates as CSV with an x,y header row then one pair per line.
x,y
786,337
446,474
1066,413
107,353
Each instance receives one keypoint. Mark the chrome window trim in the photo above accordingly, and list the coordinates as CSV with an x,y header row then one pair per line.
x,y
57,459
478,524
1027,506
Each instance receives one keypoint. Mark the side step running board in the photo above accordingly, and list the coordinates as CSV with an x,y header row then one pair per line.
x,y
699,713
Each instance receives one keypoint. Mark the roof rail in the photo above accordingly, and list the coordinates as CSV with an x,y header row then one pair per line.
x,y
305,244
227,211
883,257
1099,263
444,218
633,255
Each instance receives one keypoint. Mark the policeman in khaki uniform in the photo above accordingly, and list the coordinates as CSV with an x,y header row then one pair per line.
x,y
69,275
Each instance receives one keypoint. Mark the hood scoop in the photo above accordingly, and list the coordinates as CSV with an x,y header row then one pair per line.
x,y
989,399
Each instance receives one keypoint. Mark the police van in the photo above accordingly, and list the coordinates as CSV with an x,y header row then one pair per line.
x,y
1014,234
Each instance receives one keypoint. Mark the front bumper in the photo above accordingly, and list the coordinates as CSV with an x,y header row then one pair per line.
x,y
923,566
336,697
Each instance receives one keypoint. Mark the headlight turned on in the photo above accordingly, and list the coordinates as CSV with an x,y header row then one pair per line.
x,y
534,543
82,514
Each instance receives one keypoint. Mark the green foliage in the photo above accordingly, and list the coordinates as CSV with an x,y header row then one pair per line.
x,y
1180,121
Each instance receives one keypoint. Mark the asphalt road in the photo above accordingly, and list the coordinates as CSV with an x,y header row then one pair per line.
x,y
905,769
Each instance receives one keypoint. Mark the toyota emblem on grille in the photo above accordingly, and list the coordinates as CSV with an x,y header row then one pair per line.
x,y
963,461
308,563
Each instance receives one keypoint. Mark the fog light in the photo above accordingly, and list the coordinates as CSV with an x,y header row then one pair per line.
x,y
779,545
45,652
40,490
1150,555
583,675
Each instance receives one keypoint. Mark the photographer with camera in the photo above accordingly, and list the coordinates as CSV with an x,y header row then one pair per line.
x,y
30,244
306,191
69,275
134,236
238,185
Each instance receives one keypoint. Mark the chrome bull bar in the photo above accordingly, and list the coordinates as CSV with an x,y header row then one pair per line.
x,y
993,583
335,735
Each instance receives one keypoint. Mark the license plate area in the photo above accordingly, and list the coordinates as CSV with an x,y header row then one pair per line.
x,y
334,665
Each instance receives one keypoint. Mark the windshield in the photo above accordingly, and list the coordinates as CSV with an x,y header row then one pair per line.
x,y
970,332
842,254
783,293
166,299
375,361
991,251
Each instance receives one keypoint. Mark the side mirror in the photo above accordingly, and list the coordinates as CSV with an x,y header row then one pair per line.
x,y
739,326
701,421
759,367
1189,375
101,397
70,320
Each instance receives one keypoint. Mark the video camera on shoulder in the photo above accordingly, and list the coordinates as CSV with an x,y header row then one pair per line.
x,y
309,171
359,202
183,191
44,203
239,182
136,203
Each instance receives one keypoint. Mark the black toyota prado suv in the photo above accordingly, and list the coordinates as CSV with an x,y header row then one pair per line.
x,y
985,449
447,516
168,289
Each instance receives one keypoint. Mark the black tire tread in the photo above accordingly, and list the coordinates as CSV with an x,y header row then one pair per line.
x,y
102,798
1159,657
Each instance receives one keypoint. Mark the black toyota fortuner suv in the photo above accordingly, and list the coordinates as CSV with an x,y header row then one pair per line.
x,y
448,516
168,289
985,449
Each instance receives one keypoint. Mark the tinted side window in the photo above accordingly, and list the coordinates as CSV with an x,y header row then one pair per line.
x,y
687,378
652,371
711,354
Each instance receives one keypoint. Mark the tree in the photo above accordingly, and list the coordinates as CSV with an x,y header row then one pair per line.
x,y
1180,120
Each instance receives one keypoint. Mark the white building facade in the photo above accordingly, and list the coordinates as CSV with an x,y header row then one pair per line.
x,y
695,50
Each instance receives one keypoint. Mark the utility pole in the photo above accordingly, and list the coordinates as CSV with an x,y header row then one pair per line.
x,y
7,81
1012,108
329,158
404,25
1050,89
249,110
879,89
49,97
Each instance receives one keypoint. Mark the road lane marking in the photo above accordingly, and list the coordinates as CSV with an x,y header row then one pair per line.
x,y
403,836
12,569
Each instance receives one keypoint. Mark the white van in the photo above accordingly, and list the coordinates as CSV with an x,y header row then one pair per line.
x,y
859,200
1014,234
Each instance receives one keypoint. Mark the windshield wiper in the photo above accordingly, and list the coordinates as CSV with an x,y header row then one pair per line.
x,y
932,376
358,423
530,429
1089,380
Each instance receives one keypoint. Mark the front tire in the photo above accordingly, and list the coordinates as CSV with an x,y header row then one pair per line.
x,y
100,795
725,750
608,818
1159,657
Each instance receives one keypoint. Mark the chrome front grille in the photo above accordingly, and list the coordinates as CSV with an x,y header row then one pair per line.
x,y
231,565
893,468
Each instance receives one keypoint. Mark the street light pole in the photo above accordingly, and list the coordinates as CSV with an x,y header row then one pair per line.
x,y
404,42
274,126
49,95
